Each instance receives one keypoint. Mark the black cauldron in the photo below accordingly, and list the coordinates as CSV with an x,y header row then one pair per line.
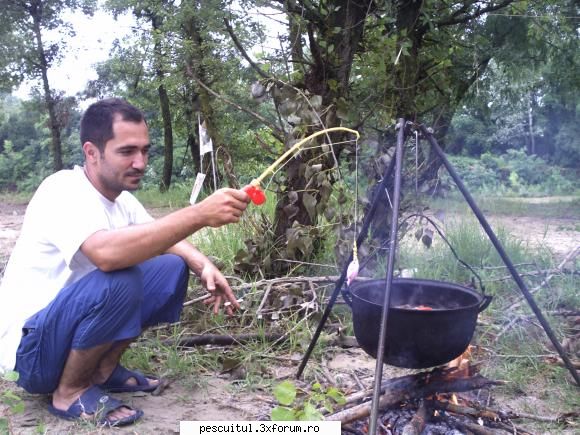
x,y
430,322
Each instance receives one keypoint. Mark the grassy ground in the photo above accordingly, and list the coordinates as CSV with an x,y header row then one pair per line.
x,y
510,344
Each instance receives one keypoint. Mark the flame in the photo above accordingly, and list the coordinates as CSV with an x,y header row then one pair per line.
x,y
454,399
462,362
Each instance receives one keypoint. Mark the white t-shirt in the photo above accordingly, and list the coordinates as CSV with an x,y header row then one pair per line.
x,y
65,210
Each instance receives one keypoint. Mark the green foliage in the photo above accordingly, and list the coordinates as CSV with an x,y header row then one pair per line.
x,y
24,144
9,398
514,172
292,408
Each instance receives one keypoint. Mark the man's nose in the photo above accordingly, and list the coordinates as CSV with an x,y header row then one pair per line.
x,y
140,161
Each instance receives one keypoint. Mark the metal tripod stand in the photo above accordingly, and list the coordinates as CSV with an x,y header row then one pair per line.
x,y
397,163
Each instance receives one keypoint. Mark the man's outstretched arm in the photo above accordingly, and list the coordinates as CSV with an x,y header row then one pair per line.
x,y
124,247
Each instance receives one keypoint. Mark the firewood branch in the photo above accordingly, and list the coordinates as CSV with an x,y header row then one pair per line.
x,y
569,257
412,387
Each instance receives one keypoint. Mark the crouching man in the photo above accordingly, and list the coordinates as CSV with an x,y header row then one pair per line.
x,y
92,269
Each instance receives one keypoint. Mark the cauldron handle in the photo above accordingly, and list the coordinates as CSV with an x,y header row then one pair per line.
x,y
486,301
347,296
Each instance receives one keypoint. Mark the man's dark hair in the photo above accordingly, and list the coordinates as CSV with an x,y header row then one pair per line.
x,y
97,121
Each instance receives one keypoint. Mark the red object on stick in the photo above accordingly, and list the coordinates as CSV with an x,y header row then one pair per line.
x,y
256,194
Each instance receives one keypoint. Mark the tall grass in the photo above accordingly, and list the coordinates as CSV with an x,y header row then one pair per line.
x,y
176,196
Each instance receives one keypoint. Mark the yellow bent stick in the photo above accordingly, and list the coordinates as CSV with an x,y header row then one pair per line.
x,y
295,148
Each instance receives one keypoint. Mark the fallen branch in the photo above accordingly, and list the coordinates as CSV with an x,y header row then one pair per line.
x,y
418,422
413,387
469,426
562,418
221,340
548,272
465,410
558,361
569,257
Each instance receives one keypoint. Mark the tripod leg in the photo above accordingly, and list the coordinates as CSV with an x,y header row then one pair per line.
x,y
502,253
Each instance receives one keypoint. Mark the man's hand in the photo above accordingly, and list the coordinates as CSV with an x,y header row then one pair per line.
x,y
224,206
220,290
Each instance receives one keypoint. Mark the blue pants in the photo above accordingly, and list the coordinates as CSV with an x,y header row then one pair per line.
x,y
99,308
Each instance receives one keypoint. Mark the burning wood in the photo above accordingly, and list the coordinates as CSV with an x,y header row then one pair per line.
x,y
415,386
427,402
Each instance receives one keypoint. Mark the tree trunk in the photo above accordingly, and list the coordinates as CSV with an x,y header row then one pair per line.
x,y
190,107
167,138
407,67
328,76
164,104
195,63
531,124
56,146
295,34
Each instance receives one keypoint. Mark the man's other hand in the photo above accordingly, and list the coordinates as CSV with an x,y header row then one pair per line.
x,y
217,285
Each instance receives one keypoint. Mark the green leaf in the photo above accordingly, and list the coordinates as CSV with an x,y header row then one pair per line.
x,y
17,408
309,413
328,406
9,397
3,425
10,376
311,170
309,202
281,413
336,395
285,393
316,101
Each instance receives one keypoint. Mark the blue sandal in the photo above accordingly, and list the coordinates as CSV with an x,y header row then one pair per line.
x,y
95,402
117,382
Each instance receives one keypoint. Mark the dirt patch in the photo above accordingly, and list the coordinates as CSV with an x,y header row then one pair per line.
x,y
558,235
11,217
179,402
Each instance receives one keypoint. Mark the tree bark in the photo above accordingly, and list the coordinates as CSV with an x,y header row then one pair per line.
x,y
196,68
35,10
156,22
328,76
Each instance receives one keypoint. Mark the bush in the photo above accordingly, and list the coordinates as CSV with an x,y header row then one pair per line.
x,y
513,172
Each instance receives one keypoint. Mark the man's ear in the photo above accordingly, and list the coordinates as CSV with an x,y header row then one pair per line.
x,y
91,151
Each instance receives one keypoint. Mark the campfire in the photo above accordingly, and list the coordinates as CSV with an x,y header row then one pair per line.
x,y
449,400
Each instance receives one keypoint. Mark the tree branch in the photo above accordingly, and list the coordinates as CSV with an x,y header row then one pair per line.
x,y
468,17
276,132
242,50
308,12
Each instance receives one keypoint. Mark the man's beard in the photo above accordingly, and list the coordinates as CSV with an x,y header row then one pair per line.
x,y
114,185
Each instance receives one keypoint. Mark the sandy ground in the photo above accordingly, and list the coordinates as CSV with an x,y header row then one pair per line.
x,y
218,399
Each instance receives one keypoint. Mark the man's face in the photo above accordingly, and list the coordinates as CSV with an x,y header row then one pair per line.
x,y
122,164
